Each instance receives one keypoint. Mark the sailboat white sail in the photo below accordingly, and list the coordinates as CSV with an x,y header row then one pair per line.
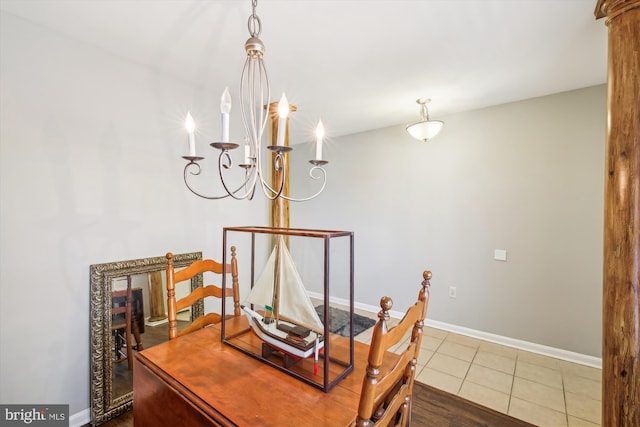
x,y
280,290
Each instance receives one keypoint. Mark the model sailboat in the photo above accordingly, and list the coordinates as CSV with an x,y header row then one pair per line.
x,y
289,322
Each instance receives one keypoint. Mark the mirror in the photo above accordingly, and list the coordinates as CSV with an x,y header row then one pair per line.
x,y
112,381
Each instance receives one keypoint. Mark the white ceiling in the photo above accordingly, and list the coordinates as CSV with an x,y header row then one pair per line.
x,y
357,64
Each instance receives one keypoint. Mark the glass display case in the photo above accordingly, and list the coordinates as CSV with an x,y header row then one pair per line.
x,y
296,296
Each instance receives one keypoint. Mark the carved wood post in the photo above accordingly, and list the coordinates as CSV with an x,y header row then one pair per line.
x,y
621,270
171,298
279,207
156,297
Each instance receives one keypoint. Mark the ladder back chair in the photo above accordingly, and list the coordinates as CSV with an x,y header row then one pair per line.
x,y
199,267
388,382
123,325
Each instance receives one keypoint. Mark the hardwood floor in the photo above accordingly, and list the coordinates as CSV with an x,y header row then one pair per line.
x,y
436,408
124,420
431,407
122,376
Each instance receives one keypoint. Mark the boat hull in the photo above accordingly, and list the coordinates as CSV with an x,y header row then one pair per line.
x,y
278,339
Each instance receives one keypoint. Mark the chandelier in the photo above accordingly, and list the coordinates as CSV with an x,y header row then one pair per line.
x,y
426,128
254,97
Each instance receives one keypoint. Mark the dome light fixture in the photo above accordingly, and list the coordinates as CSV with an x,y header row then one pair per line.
x,y
425,129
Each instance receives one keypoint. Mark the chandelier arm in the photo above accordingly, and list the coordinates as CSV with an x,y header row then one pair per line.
x,y
186,182
224,154
252,176
254,126
242,112
246,71
258,114
311,174
270,193
254,92
252,187
255,63
267,86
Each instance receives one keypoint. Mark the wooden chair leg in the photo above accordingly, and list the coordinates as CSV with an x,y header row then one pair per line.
x,y
136,335
117,346
408,415
129,347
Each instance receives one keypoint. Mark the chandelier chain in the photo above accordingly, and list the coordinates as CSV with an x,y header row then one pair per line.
x,y
254,24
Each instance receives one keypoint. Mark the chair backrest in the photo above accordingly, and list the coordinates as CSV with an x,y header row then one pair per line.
x,y
198,267
388,382
121,313
121,306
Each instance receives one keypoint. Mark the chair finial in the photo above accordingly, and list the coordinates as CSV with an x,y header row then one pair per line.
x,y
386,303
427,277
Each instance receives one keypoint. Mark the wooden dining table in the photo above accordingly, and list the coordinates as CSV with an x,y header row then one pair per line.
x,y
197,380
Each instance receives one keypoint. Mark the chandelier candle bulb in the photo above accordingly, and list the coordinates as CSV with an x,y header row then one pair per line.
x,y
247,154
283,112
190,125
225,108
319,136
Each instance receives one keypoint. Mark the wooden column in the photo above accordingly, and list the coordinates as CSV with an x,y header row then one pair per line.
x,y
621,270
279,207
156,297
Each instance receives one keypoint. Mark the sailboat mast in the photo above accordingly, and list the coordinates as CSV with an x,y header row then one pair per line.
x,y
276,282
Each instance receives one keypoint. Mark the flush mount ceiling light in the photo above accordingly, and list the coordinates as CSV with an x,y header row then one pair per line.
x,y
425,129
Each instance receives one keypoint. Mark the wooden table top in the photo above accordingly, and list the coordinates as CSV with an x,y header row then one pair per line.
x,y
221,379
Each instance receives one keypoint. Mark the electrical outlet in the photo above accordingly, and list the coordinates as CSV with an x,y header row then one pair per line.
x,y
452,292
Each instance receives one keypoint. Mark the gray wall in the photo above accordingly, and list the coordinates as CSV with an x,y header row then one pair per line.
x,y
526,177
91,172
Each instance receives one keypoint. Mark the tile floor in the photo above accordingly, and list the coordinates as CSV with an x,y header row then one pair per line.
x,y
542,390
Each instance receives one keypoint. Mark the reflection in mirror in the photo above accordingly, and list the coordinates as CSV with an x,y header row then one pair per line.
x,y
124,321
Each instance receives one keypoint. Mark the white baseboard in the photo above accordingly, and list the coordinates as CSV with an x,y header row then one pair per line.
x,y
80,418
558,353
544,350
